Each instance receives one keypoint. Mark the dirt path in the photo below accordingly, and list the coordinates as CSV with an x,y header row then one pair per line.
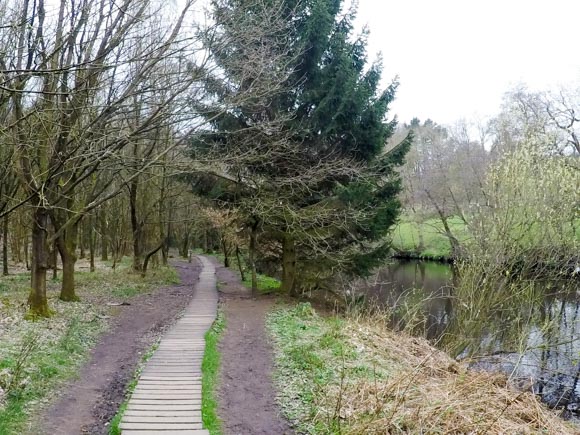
x,y
246,396
87,405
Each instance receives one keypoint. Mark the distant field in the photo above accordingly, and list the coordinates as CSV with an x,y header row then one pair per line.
x,y
407,237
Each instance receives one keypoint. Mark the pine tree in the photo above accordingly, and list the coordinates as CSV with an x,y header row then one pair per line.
x,y
305,157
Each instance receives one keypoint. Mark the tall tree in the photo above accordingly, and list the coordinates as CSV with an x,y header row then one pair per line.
x,y
71,75
305,161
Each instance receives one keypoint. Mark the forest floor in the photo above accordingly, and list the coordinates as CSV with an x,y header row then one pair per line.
x,y
246,394
88,404
68,373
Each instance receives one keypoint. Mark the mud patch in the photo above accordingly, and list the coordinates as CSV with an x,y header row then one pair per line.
x,y
247,398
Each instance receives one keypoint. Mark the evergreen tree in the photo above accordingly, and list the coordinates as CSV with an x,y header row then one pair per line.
x,y
305,151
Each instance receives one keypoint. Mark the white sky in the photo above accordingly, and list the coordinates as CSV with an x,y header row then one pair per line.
x,y
456,58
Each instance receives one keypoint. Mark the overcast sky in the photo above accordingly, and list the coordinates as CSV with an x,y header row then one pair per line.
x,y
456,58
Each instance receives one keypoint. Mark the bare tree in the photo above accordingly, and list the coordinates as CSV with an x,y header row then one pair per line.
x,y
72,76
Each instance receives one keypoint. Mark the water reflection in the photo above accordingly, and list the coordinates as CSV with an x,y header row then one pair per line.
x,y
403,284
536,340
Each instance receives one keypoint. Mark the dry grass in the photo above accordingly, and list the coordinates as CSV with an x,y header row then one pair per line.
x,y
371,380
428,392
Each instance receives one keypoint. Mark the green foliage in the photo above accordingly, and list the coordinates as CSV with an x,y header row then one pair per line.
x,y
210,371
34,364
324,181
530,228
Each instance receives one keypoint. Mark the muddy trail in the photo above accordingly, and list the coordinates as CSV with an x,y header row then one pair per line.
x,y
87,405
246,393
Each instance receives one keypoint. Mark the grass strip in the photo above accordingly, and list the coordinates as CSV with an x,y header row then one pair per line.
x,y
210,370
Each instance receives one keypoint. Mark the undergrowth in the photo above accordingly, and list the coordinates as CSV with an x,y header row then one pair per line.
x,y
36,357
266,284
338,375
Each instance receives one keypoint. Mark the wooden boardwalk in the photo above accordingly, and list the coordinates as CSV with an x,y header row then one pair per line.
x,y
167,398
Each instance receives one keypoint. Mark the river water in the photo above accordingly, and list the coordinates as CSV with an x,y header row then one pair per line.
x,y
536,341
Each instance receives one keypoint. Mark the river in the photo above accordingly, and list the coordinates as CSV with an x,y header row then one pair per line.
x,y
536,341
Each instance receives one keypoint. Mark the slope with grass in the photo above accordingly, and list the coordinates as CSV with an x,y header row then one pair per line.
x,y
354,375
427,239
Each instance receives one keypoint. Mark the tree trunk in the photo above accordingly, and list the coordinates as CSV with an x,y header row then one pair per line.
x,y
184,248
26,257
148,257
16,251
103,227
242,275
67,290
67,248
5,246
226,253
92,250
455,246
37,299
136,229
81,242
166,236
253,260
54,261
288,266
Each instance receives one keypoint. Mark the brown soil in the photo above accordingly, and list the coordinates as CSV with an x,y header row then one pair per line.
x,y
247,403
88,404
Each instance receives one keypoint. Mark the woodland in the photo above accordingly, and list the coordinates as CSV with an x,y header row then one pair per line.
x,y
260,131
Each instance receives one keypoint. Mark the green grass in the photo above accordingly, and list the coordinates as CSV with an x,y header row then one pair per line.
x,y
36,357
312,354
266,284
33,365
408,234
210,369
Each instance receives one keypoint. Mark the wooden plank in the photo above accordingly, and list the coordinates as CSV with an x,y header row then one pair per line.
x,y
162,408
171,378
158,426
165,405
167,398
149,387
189,392
167,432
158,419
170,382
163,413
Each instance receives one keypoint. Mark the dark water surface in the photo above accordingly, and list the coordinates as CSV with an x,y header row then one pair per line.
x,y
536,341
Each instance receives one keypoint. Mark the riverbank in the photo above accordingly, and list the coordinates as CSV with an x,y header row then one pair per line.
x,y
426,240
354,375
38,357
